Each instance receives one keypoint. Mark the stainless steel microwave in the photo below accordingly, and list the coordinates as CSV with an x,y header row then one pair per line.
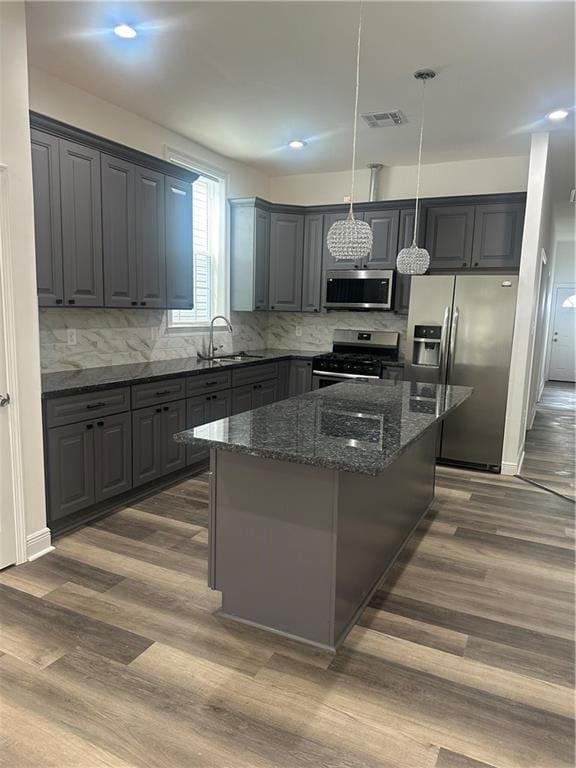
x,y
359,289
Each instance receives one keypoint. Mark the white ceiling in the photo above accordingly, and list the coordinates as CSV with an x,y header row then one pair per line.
x,y
243,78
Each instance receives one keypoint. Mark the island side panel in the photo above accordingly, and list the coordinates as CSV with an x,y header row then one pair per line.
x,y
274,544
376,516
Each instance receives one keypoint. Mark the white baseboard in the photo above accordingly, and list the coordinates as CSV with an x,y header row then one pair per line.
x,y
513,467
38,544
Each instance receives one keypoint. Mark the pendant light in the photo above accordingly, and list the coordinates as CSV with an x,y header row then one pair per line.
x,y
414,260
350,239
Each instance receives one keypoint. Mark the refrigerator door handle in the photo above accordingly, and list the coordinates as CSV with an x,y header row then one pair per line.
x,y
453,333
444,345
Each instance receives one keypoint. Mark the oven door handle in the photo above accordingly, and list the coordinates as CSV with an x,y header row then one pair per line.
x,y
330,375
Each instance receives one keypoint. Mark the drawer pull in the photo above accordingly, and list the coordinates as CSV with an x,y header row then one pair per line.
x,y
93,406
163,392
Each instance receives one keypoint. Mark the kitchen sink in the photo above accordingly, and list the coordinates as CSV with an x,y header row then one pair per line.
x,y
240,356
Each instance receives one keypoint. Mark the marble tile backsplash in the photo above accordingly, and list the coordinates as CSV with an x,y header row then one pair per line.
x,y
88,338
294,330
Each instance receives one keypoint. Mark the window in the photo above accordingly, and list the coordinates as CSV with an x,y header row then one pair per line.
x,y
209,254
570,301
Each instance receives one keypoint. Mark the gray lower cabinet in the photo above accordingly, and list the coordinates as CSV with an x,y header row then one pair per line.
x,y
146,445
81,210
202,410
150,238
88,462
384,226
154,452
449,237
498,236
119,233
70,469
249,256
300,377
179,256
113,456
47,220
286,258
312,266
283,379
254,396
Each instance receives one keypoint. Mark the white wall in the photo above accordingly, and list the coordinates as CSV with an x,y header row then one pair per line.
x,y
15,154
465,177
536,237
57,99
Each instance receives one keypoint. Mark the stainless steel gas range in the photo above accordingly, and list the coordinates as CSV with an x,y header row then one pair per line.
x,y
359,355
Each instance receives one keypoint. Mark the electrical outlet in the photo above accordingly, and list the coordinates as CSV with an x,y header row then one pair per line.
x,y
71,336
298,331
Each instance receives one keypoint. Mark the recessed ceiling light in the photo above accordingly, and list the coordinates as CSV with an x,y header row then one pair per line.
x,y
296,144
558,114
125,30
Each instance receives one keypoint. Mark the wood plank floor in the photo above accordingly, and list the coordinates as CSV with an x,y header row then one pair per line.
x,y
110,655
551,443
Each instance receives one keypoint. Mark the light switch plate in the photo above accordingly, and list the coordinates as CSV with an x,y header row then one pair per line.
x,y
298,331
71,336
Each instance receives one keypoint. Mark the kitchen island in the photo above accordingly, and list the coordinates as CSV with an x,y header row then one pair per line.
x,y
313,498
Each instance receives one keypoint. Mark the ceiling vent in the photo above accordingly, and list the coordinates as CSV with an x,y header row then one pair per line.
x,y
384,119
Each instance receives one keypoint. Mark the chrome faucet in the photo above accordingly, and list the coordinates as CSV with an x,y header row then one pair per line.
x,y
212,349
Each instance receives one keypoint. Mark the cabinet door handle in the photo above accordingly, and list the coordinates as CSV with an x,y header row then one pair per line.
x,y
99,423
94,406
71,301
166,408
89,426
58,301
476,264
158,410
142,303
134,303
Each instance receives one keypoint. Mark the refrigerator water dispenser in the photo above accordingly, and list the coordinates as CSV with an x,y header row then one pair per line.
x,y
427,344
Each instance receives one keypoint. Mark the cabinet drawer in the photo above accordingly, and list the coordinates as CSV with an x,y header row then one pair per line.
x,y
158,392
208,382
254,373
72,408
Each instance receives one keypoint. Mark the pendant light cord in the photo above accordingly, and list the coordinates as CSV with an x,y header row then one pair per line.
x,y
419,162
351,212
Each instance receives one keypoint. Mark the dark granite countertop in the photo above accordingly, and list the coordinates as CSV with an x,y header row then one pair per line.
x,y
89,379
353,427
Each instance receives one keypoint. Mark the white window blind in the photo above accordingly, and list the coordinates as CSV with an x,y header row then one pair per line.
x,y
207,210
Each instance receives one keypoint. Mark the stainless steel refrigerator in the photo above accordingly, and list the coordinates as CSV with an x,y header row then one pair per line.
x,y
460,332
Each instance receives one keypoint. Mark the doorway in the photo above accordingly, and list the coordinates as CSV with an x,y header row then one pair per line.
x,y
563,349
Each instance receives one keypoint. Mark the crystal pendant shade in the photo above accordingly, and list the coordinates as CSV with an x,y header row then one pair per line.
x,y
350,239
413,261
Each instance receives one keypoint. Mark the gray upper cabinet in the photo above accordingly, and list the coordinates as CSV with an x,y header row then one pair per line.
x,y
119,233
179,255
47,222
328,261
312,267
498,236
249,256
81,225
286,255
384,226
449,236
402,282
150,238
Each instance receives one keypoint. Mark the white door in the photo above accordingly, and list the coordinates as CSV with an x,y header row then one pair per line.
x,y
563,353
7,517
